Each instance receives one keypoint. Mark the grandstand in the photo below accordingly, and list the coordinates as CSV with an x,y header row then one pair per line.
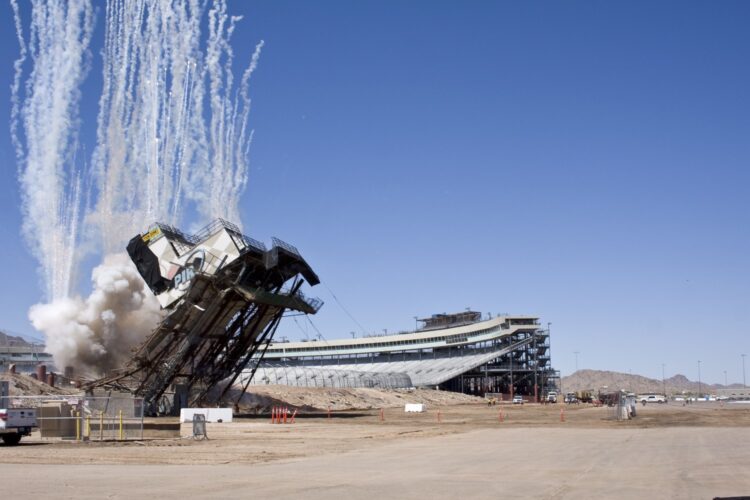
x,y
461,352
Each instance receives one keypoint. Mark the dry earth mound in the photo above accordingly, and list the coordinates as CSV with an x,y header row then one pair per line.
x,y
24,385
260,398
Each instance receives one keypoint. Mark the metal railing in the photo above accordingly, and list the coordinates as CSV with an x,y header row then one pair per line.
x,y
286,246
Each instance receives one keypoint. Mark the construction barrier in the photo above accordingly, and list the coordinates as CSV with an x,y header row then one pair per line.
x,y
282,415
212,415
84,418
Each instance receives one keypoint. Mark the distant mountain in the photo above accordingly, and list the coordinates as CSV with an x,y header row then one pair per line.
x,y
7,340
597,379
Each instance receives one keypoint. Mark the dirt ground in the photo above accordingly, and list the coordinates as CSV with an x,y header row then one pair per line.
x,y
254,439
451,451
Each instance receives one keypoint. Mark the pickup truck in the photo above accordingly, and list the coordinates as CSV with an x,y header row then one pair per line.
x,y
16,423
652,398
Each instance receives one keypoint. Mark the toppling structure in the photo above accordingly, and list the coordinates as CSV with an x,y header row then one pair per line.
x,y
225,295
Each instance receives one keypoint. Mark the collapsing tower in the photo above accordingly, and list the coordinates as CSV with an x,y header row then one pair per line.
x,y
225,294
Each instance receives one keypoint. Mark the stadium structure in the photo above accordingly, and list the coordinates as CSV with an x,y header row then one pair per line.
x,y
463,352
24,356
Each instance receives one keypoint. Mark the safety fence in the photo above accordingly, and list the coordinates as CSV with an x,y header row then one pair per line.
x,y
85,418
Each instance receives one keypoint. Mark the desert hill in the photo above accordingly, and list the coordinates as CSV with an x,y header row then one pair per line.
x,y
7,340
596,379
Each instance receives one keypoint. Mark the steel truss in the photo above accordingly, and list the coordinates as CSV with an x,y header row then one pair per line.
x,y
213,332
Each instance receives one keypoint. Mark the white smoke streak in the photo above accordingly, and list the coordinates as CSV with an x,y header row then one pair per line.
x,y
96,333
217,189
145,143
58,45
16,85
171,136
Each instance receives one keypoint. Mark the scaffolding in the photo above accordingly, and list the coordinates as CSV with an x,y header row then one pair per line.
x,y
526,370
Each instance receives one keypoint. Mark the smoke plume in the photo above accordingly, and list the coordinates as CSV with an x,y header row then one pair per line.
x,y
97,333
172,138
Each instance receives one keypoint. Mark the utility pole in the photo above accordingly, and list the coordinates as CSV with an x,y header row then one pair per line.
x,y
725,379
744,384
700,389
576,353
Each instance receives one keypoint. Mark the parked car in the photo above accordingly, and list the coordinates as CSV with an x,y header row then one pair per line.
x,y
518,400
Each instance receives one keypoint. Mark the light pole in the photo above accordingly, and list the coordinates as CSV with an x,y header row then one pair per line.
x,y
744,384
536,365
549,356
700,389
576,353
725,379
663,383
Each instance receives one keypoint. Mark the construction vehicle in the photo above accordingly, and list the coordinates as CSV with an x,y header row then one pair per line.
x,y
585,396
571,398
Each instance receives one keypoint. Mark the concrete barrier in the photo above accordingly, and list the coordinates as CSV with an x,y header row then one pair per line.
x,y
212,414
413,408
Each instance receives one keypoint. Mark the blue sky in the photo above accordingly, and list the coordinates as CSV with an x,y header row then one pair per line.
x,y
585,162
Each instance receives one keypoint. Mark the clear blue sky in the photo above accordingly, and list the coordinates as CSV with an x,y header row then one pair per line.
x,y
585,162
